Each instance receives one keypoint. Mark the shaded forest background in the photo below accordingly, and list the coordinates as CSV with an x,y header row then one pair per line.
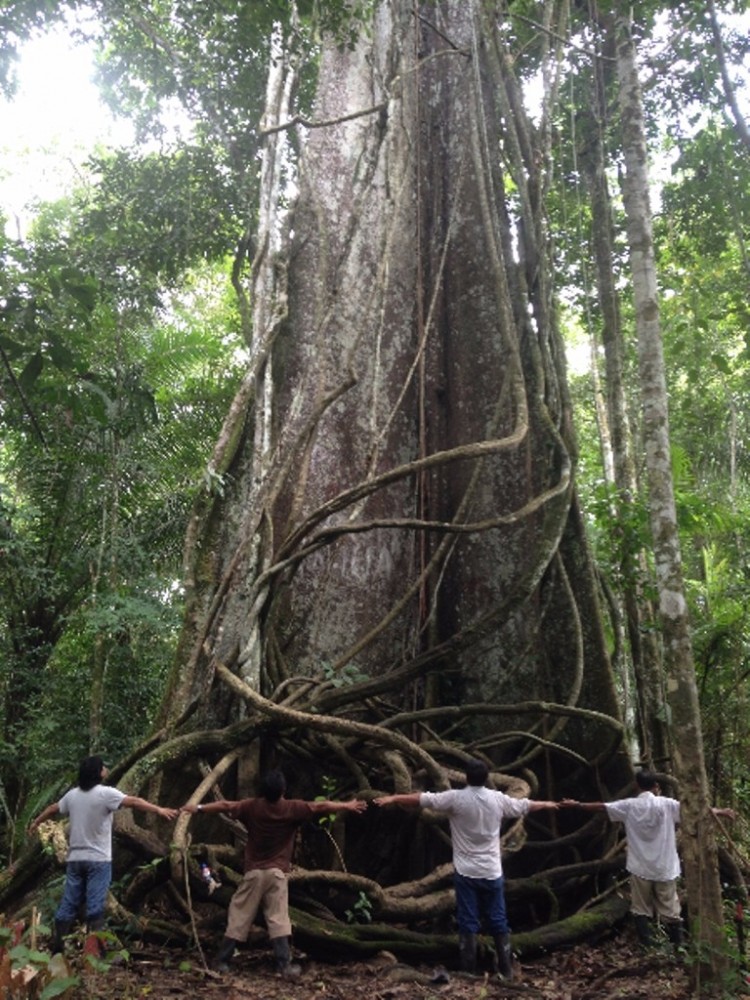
x,y
205,547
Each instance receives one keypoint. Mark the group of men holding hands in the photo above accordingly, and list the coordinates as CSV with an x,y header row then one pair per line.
x,y
475,813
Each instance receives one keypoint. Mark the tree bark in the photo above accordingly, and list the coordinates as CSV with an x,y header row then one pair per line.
x,y
390,571
698,837
411,496
645,652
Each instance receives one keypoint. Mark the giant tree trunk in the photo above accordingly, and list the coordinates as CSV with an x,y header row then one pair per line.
x,y
393,557
698,841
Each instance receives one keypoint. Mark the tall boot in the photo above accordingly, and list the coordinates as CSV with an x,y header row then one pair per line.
x,y
675,934
223,956
62,929
93,944
283,955
643,930
467,951
504,955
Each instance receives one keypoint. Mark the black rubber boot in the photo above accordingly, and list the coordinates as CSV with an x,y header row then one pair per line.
x,y
223,957
467,951
283,955
644,930
504,955
675,934
93,945
62,929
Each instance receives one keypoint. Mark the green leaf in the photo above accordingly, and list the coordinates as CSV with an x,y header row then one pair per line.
x,y
11,347
722,364
60,355
57,987
32,371
85,295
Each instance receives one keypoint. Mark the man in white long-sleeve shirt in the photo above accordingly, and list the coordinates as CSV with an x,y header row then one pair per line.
x,y
476,814
652,860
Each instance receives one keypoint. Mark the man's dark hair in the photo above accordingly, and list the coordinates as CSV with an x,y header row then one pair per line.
x,y
477,772
272,785
90,772
646,780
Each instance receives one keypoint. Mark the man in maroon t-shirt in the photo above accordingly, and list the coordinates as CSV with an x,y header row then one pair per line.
x,y
272,821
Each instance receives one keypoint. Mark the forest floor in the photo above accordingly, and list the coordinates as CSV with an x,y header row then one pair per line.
x,y
615,969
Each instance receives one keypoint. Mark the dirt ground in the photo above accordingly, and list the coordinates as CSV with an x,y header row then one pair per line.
x,y
616,969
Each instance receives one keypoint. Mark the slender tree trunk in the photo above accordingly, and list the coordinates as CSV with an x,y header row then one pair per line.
x,y
653,730
730,92
698,840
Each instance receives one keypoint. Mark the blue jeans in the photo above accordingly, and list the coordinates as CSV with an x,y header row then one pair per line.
x,y
480,899
85,882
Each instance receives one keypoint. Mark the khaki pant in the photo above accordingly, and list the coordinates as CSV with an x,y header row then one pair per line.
x,y
260,887
650,899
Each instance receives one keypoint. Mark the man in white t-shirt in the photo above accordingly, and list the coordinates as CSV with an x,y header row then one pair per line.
x,y
476,814
652,861
90,806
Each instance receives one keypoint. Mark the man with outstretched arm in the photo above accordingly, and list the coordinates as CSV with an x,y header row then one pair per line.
x,y
652,861
476,813
90,806
271,821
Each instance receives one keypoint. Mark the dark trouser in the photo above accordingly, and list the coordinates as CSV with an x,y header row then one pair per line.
x,y
478,900
86,883
482,900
